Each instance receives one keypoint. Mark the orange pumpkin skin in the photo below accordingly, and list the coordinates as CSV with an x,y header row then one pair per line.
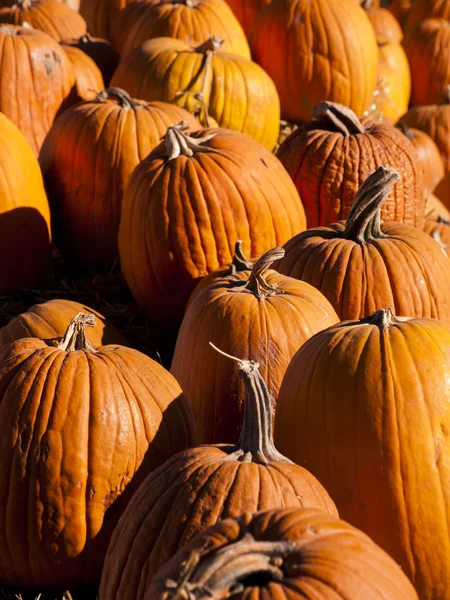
x,y
329,159
370,407
48,321
81,428
101,51
426,9
53,18
25,233
89,80
333,561
246,313
246,10
200,486
99,14
33,66
86,204
208,190
293,39
361,266
442,191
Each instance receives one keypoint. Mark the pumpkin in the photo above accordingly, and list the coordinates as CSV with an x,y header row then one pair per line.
x,y
24,213
188,203
400,9
102,52
366,406
89,80
232,90
439,229
37,81
109,136
305,52
329,158
435,121
198,487
265,315
81,428
289,553
436,208
48,321
52,17
190,21
246,10
393,92
99,14
425,9
361,266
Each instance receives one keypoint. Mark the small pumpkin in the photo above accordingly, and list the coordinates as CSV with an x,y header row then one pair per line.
x,y
81,427
366,406
329,158
246,10
209,189
193,77
89,80
361,265
100,51
249,310
198,487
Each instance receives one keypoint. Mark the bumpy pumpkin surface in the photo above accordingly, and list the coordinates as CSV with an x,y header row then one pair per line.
x,y
246,10
188,203
87,160
362,266
199,487
329,158
101,51
260,314
315,51
366,406
291,554
89,80
206,81
81,427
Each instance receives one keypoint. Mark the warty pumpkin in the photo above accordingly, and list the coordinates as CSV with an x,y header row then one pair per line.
x,y
365,406
81,427
25,233
315,51
329,158
87,160
89,80
206,81
286,553
361,265
198,487
260,313
188,203
48,321
426,9
101,51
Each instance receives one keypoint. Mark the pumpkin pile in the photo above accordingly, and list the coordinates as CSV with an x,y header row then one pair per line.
x,y
225,299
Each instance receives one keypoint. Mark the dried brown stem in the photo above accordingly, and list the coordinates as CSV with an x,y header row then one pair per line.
x,y
75,337
340,116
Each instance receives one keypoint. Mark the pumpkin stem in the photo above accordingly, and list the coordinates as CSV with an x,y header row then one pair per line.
x,y
383,319
75,336
339,116
221,573
86,38
367,4
257,284
256,439
212,44
178,143
363,221
405,130
239,263
124,100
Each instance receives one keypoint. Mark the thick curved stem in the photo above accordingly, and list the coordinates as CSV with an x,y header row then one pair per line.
x,y
257,284
383,318
212,44
338,116
75,337
177,143
239,263
124,100
363,221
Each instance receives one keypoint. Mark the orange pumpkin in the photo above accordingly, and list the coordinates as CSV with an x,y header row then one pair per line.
x,y
421,10
104,55
246,10
303,50
99,14
87,160
186,205
366,406
89,80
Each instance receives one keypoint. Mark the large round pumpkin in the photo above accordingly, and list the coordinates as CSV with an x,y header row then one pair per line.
x,y
329,158
290,554
206,81
365,406
188,203
362,266
246,10
101,51
81,427
315,51
87,160
198,487
24,213
259,313
89,80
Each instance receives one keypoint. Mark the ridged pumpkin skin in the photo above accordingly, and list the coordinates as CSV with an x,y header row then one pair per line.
x,y
237,93
99,14
89,80
101,51
366,406
361,266
48,321
315,51
81,428
329,158
200,486
246,10
37,81
289,554
86,181
427,9
188,203
24,213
